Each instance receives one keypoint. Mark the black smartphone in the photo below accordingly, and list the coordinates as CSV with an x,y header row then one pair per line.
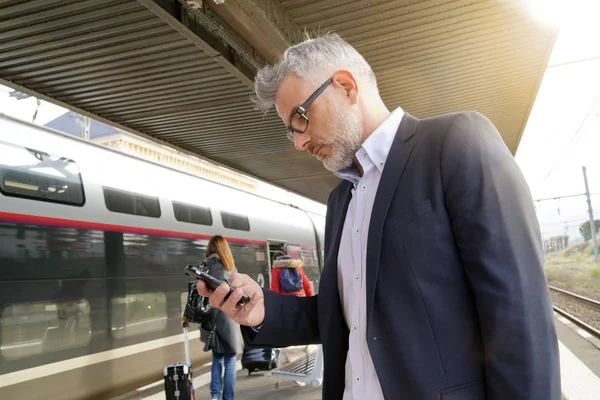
x,y
212,282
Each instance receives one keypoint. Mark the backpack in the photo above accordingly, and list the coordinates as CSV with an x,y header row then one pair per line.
x,y
290,280
197,309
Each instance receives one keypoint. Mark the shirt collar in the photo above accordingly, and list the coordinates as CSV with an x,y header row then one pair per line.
x,y
375,149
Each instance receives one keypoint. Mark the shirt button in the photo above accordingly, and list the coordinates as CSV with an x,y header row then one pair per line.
x,y
381,164
357,278
364,187
358,379
354,328
358,230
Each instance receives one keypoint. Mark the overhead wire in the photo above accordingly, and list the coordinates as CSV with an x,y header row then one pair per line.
x,y
573,138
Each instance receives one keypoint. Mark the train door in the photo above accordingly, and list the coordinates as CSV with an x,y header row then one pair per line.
x,y
273,247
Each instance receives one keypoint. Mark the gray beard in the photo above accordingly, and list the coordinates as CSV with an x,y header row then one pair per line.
x,y
346,139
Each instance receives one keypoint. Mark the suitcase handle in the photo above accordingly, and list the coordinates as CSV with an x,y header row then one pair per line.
x,y
186,343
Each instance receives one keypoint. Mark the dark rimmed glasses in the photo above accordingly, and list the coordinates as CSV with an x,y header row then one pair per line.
x,y
298,119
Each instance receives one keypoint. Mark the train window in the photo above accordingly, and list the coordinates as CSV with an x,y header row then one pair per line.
x,y
137,314
34,328
192,214
233,221
125,202
309,259
34,174
310,264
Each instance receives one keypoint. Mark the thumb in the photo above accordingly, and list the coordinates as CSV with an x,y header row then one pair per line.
x,y
236,280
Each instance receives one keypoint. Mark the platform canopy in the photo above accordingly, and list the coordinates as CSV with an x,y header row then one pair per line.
x,y
180,72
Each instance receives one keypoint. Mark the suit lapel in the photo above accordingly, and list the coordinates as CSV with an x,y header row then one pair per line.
x,y
340,215
338,208
394,166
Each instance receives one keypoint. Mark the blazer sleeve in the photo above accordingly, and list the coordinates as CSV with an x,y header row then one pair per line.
x,y
275,285
289,321
306,283
497,234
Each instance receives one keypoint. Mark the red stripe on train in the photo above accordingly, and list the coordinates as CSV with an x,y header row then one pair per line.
x,y
69,223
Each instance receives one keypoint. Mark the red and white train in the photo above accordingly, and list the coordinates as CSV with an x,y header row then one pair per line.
x,y
93,244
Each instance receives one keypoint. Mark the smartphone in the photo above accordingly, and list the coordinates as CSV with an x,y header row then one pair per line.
x,y
212,282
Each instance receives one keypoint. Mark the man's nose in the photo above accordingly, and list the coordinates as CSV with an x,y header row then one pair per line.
x,y
301,141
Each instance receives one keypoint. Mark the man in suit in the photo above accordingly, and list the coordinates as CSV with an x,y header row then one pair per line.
x,y
433,284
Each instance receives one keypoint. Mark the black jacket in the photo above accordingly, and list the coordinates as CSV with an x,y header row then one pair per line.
x,y
227,330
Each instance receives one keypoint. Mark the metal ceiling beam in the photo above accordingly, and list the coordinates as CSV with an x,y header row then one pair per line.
x,y
220,54
264,24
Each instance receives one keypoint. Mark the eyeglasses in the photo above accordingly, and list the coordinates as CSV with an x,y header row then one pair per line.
x,y
298,119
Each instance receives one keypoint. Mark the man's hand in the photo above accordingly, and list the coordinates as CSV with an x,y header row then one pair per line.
x,y
251,314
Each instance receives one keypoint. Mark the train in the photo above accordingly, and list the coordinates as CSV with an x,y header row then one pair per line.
x,y
93,243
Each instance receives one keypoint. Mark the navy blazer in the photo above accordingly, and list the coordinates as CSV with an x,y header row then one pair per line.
x,y
458,307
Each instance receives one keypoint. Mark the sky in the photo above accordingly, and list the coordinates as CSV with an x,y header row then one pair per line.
x,y
561,136
563,130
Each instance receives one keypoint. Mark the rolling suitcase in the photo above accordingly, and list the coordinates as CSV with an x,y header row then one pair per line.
x,y
179,383
259,359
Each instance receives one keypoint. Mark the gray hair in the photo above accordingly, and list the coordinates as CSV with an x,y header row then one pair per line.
x,y
314,59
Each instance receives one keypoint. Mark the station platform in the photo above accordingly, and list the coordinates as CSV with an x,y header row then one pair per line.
x,y
580,374
257,386
579,361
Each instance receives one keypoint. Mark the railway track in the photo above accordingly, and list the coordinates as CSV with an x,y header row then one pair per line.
x,y
587,302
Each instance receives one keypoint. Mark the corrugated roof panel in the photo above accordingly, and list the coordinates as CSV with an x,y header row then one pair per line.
x,y
119,61
125,62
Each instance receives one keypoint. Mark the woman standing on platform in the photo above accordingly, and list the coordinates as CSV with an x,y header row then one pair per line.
x,y
221,265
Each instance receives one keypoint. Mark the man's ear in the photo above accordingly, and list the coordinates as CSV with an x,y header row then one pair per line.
x,y
345,79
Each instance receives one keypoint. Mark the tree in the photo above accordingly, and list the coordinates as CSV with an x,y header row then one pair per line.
x,y
585,231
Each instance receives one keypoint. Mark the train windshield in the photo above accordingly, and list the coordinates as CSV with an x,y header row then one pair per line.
x,y
34,174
